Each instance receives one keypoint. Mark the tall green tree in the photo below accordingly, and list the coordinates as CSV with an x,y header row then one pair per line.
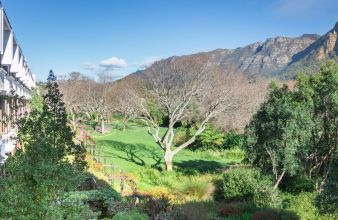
x,y
275,134
49,162
325,98
319,93
327,200
36,101
297,131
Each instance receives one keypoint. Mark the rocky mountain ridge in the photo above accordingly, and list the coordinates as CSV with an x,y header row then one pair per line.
x,y
281,57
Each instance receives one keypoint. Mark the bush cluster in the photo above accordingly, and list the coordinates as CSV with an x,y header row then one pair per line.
x,y
246,184
297,184
177,186
130,215
303,204
211,138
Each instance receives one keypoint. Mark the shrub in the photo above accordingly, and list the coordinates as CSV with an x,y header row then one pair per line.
x,y
130,215
273,214
244,210
233,139
210,138
327,200
105,194
115,207
98,201
302,204
155,206
236,210
180,137
197,188
234,154
244,184
157,178
73,207
297,184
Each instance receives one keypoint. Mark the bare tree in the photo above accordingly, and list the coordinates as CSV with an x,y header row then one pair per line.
x,y
252,95
83,95
73,90
98,100
175,86
125,100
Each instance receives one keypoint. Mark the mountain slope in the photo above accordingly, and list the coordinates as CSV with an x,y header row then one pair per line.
x,y
262,58
325,47
320,51
281,57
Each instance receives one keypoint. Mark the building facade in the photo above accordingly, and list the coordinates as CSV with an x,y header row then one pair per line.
x,y
16,84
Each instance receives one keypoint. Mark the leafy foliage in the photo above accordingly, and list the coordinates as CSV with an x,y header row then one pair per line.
x,y
130,215
196,188
232,140
242,184
268,214
296,131
327,200
215,139
36,101
297,184
38,175
72,206
210,138
302,204
272,135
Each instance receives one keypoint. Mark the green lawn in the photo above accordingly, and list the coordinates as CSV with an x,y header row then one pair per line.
x,y
135,148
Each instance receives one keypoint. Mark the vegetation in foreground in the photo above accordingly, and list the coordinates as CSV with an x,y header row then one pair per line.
x,y
288,171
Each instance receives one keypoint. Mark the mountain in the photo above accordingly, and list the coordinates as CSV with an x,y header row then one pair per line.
x,y
262,58
325,47
281,57
320,51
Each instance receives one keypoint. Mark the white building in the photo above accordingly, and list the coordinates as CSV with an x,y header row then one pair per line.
x,y
16,84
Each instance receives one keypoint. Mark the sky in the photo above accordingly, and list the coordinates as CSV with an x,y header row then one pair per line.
x,y
118,37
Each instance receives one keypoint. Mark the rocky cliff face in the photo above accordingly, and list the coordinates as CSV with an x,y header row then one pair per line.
x,y
263,58
280,57
325,47
309,59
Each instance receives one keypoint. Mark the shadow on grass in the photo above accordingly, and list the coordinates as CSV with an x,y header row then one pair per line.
x,y
191,167
134,153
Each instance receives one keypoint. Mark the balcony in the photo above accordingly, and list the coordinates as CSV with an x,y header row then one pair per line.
x,y
5,86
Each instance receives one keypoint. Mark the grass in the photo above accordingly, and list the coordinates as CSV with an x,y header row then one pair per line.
x,y
135,148
190,188
135,153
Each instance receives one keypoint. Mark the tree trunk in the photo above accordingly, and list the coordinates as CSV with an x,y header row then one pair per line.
x,y
168,158
278,180
326,174
102,125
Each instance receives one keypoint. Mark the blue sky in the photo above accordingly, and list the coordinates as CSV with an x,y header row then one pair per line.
x,y
120,36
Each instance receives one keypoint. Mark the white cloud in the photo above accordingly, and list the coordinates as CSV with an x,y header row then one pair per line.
x,y
112,67
109,64
113,63
146,62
